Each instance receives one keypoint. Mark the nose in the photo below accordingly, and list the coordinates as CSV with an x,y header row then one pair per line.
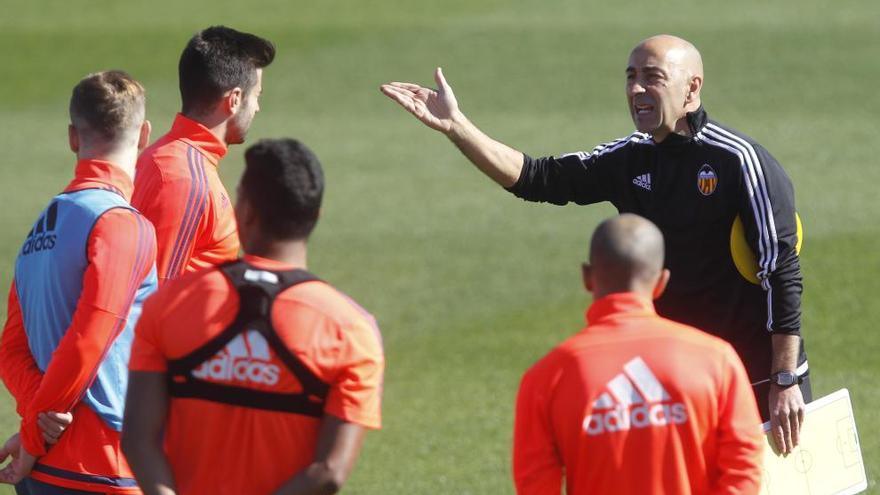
x,y
634,88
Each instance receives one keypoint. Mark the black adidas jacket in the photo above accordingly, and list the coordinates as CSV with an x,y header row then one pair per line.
x,y
694,188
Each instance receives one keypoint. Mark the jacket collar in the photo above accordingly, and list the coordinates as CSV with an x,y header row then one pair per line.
x,y
196,134
696,120
100,174
619,304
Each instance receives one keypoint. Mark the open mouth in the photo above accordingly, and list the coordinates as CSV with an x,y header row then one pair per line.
x,y
643,109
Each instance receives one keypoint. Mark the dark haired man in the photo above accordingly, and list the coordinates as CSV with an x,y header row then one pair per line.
x,y
177,186
255,369
80,280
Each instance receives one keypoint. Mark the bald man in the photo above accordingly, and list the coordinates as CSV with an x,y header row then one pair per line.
x,y
635,403
698,181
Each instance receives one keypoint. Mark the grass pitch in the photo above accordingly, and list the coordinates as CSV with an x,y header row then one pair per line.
x,y
469,284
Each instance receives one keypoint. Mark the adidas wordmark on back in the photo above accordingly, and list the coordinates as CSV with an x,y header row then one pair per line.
x,y
635,399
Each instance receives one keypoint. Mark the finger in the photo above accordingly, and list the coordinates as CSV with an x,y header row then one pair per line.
x,y
795,429
9,475
49,426
397,87
60,418
786,433
406,85
403,99
414,91
395,94
412,104
6,451
412,88
393,90
50,439
416,94
441,81
778,439
778,430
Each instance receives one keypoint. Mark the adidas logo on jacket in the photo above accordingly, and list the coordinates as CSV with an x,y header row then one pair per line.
x,y
631,410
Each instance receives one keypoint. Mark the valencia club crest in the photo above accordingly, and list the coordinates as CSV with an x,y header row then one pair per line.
x,y
707,180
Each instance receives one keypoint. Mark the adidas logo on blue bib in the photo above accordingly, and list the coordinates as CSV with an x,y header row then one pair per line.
x,y
41,236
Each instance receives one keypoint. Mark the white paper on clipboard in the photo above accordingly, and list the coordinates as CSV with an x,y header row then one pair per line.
x,y
828,460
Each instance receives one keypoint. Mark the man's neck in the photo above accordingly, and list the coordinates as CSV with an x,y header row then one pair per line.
x,y
682,125
124,160
287,252
214,123
636,289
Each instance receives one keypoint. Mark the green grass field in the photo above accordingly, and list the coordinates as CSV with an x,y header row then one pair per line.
x,y
469,284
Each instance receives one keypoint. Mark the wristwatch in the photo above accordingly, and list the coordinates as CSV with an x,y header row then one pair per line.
x,y
785,378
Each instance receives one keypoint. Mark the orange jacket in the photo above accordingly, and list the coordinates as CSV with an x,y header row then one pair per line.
x,y
257,450
637,404
88,455
177,187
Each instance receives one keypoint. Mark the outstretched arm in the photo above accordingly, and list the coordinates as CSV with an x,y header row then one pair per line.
x,y
438,109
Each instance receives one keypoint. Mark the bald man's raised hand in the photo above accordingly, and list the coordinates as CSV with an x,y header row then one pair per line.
x,y
435,108
438,109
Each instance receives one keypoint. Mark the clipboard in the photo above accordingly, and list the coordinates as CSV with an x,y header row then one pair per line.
x,y
828,460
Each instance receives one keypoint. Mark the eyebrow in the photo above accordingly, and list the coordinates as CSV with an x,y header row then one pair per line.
x,y
647,68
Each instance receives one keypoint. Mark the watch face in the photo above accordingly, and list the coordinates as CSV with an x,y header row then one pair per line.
x,y
785,378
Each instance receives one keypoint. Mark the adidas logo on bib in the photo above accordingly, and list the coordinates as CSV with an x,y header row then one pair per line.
x,y
635,399
42,235
643,181
245,358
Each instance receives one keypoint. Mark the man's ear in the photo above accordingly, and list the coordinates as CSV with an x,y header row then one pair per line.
x,y
245,214
662,281
144,137
73,138
694,87
587,275
251,214
232,100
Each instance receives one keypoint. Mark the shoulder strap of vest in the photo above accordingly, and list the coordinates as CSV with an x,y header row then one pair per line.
x,y
255,299
257,290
